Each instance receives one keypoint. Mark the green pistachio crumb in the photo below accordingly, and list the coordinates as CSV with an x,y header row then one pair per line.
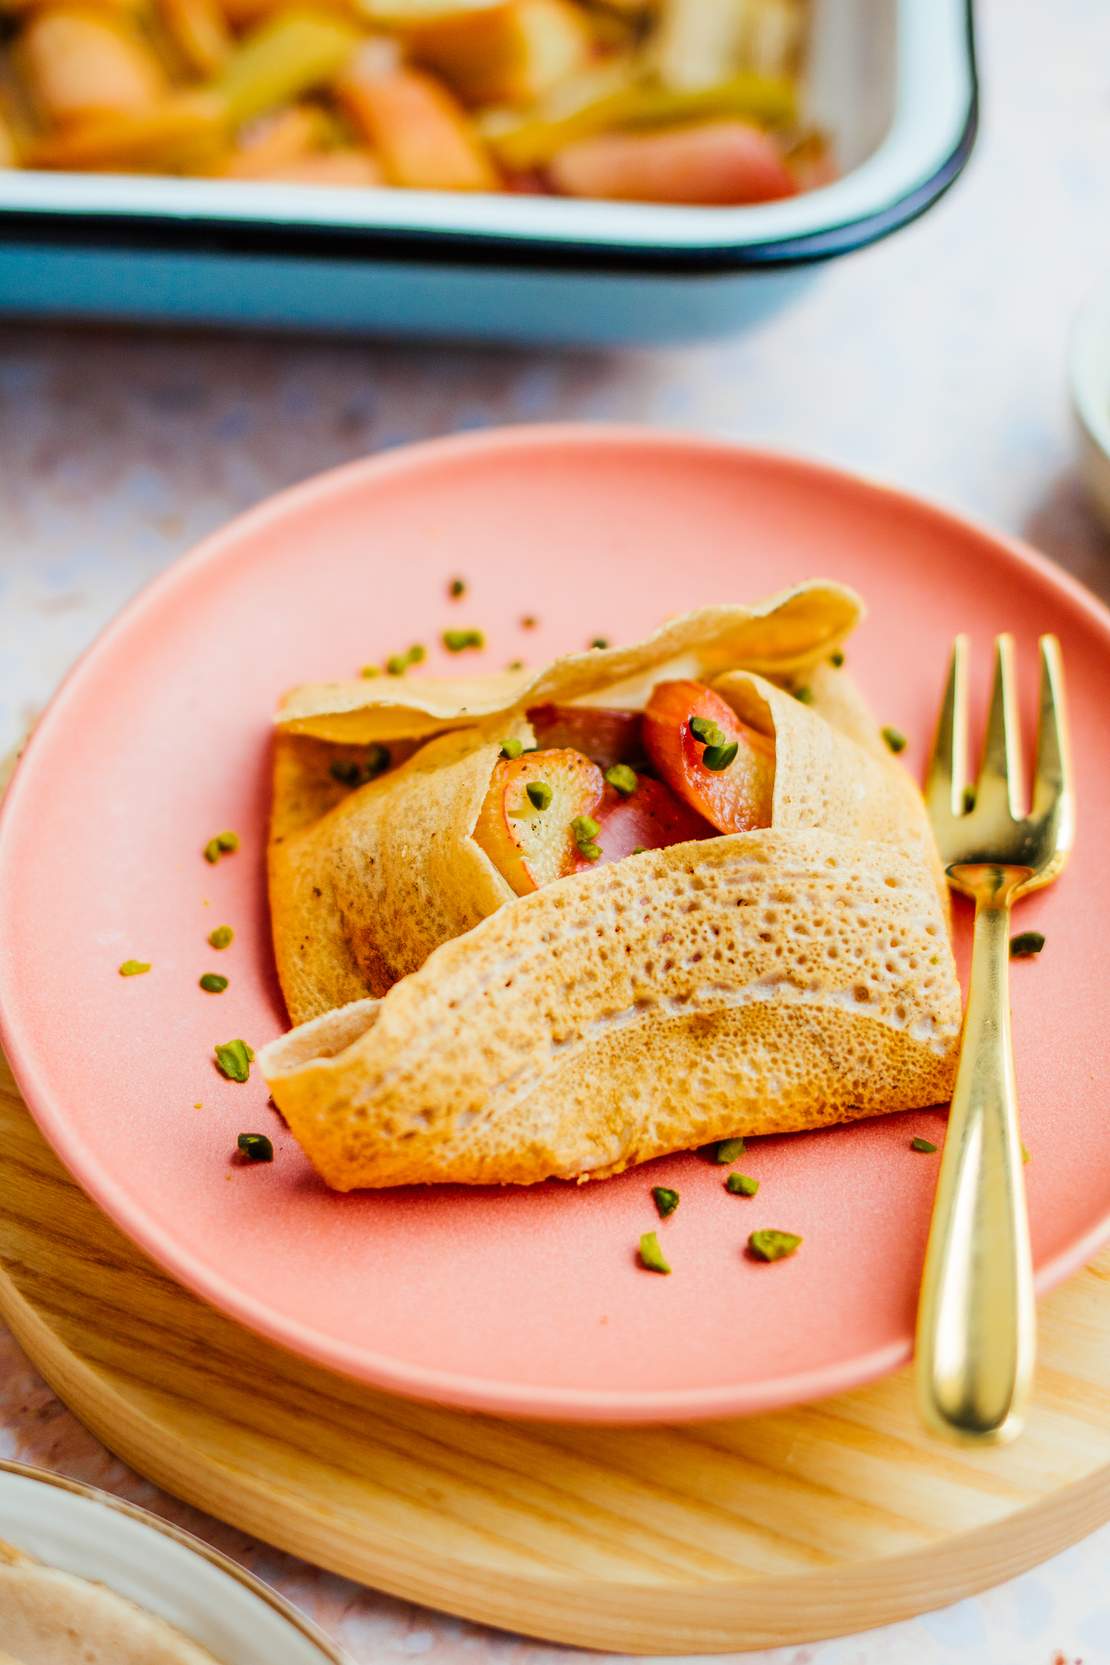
x,y
1026,1156
719,757
836,659
895,739
256,1147
515,665
213,983
222,845
925,1145
600,642
370,670
512,748
455,641
651,1255
742,1185
539,794
585,830
622,779
221,937
134,968
1025,945
706,730
726,1150
968,799
639,850
773,1245
233,1059
378,760
666,1200
456,588
397,664
804,695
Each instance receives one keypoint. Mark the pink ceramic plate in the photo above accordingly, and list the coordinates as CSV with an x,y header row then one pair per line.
x,y
512,1301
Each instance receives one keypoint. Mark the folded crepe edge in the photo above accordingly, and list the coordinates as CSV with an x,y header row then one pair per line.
x,y
810,621
522,1052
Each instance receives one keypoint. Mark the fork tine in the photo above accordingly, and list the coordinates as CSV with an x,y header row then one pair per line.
x,y
947,773
1052,789
1000,773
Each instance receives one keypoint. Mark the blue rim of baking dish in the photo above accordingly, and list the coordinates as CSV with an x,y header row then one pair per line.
x,y
164,232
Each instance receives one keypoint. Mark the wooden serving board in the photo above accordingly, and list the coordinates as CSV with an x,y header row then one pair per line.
x,y
728,1535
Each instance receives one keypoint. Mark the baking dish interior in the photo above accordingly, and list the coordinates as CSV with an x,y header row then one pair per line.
x,y
892,82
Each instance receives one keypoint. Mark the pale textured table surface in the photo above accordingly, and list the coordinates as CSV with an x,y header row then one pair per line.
x,y
934,360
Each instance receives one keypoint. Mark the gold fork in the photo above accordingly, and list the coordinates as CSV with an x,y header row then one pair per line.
x,y
976,1321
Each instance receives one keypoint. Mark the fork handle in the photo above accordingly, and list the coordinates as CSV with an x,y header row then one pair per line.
x,y
976,1320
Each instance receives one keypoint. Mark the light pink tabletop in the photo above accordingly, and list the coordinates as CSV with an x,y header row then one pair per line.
x,y
934,361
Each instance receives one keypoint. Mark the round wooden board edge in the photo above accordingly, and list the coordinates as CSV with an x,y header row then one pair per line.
x,y
618,1615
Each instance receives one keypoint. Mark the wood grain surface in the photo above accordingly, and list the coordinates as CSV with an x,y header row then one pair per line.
x,y
729,1535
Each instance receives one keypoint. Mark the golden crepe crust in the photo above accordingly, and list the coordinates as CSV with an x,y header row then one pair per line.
x,y
755,983
47,1616
360,895
785,634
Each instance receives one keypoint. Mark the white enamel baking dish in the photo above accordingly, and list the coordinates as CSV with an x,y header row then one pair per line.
x,y
892,80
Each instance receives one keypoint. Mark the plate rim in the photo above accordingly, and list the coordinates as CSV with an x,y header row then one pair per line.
x,y
446,1387
300,1622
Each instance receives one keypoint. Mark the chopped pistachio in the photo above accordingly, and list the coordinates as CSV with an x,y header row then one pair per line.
x,y
706,730
378,760
622,779
585,830
233,1059
1026,1156
742,1185
804,694
651,1255
719,757
221,937
1025,945
417,654
455,641
256,1147
515,665
925,1145
134,968
512,748
222,845
666,1200
539,793
600,642
370,670
639,850
726,1150
213,983
836,659
397,664
773,1245
456,588
894,738
969,799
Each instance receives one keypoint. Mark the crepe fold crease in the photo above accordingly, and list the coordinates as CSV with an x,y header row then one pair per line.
x,y
365,884
759,982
